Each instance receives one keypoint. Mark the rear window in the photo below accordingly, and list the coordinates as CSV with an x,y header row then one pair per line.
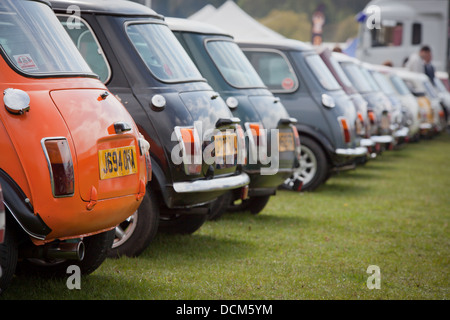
x,y
274,69
233,64
35,42
384,83
340,72
322,73
400,85
356,77
162,52
88,45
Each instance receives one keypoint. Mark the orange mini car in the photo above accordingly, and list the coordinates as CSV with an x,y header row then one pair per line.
x,y
73,164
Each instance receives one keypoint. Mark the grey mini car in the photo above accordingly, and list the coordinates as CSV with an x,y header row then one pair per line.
x,y
326,115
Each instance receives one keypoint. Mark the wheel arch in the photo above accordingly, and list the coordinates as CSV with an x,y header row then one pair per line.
x,y
19,207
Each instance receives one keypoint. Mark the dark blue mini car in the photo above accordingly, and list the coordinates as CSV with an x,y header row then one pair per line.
x,y
326,115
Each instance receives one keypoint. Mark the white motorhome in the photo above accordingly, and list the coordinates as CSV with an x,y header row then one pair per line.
x,y
390,30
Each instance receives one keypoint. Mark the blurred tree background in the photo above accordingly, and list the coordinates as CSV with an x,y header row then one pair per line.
x,y
291,18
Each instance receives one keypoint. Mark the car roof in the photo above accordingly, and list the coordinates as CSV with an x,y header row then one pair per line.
x,y
342,57
107,7
43,1
281,44
186,25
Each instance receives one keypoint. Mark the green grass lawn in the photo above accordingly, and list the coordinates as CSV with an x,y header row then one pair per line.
x,y
393,213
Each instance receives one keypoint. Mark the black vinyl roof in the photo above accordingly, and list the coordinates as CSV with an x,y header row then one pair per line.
x,y
107,7
280,44
185,25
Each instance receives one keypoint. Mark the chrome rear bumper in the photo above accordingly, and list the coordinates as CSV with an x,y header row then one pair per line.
x,y
216,184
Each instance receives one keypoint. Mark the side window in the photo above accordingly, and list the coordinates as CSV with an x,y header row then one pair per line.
x,y
274,69
389,35
416,33
86,42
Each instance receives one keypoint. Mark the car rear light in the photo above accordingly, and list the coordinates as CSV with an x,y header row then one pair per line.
x,y
60,164
191,149
372,117
297,143
359,124
345,129
257,142
242,150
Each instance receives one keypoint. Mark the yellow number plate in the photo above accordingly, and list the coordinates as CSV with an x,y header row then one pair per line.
x,y
286,141
225,145
117,162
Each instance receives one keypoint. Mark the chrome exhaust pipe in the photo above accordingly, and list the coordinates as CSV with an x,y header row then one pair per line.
x,y
66,251
63,250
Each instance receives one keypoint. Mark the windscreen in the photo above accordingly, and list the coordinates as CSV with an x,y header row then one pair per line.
x,y
35,42
162,53
233,64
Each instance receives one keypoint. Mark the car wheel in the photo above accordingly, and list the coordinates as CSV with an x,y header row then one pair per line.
x,y
257,204
95,253
181,223
136,233
8,257
314,166
253,204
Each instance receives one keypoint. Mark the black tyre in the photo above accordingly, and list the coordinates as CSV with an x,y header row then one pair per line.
x,y
8,257
254,204
95,253
220,206
136,233
181,223
314,166
257,204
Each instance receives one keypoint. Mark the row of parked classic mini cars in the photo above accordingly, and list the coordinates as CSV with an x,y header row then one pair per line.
x,y
118,123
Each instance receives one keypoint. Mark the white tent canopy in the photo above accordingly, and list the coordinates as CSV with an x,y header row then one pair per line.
x,y
232,19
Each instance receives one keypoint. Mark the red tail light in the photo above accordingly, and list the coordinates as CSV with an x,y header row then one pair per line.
x,y
60,165
257,139
242,150
372,117
256,131
345,129
191,149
